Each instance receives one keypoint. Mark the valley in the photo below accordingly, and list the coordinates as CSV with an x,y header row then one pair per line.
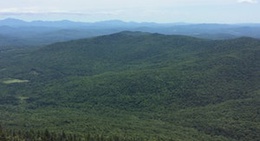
x,y
135,86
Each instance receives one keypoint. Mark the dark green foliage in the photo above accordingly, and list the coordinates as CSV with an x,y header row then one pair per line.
x,y
12,135
9,100
134,86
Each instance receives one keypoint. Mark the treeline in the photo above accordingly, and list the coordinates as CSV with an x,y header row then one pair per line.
x,y
46,135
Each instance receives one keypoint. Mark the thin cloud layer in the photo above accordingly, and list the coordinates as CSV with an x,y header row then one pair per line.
x,y
220,11
248,1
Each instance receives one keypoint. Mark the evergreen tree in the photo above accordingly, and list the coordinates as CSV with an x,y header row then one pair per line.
x,y
1,129
47,135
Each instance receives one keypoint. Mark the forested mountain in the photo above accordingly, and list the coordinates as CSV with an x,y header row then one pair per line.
x,y
135,85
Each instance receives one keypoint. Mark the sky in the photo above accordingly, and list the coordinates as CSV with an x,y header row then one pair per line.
x,y
160,11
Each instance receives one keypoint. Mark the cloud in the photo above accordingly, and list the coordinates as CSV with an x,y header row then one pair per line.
x,y
248,1
25,10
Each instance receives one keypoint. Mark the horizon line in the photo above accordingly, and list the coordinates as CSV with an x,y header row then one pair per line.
x,y
125,21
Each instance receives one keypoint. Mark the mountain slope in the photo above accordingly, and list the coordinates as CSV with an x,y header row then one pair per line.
x,y
136,84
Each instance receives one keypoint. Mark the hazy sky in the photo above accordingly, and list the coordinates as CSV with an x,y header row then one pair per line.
x,y
192,11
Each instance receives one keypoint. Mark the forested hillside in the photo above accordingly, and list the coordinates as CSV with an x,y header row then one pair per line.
x,y
134,86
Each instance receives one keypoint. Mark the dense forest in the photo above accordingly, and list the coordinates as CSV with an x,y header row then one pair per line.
x,y
132,86
32,135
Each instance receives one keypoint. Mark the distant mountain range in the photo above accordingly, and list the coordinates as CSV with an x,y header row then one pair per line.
x,y
38,33
67,23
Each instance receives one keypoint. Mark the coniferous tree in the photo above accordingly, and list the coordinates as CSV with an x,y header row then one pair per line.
x,y
1,129
46,135
2,134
